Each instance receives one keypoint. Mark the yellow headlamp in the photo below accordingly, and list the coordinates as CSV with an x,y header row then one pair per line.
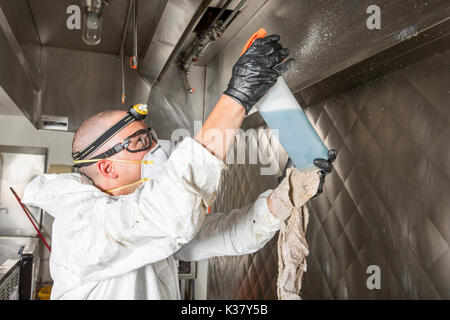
x,y
139,110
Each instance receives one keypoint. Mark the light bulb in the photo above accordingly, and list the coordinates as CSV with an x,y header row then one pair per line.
x,y
92,27
93,20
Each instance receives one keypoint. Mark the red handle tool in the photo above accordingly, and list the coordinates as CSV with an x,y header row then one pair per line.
x,y
25,209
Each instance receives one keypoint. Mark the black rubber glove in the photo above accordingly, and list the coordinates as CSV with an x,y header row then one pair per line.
x,y
257,71
324,165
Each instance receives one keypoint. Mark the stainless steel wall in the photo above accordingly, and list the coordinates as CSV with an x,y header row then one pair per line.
x,y
249,276
78,84
386,203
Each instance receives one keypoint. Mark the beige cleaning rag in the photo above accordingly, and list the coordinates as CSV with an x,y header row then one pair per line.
x,y
289,200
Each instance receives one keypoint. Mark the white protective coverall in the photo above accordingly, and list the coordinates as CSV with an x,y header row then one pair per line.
x,y
125,247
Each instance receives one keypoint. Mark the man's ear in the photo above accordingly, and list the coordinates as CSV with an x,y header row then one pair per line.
x,y
107,169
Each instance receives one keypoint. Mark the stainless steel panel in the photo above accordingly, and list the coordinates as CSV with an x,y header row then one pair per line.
x,y
79,84
386,202
172,107
174,20
325,36
18,79
15,46
14,81
196,79
21,21
425,43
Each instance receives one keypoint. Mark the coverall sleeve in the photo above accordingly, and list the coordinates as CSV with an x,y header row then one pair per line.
x,y
241,231
97,236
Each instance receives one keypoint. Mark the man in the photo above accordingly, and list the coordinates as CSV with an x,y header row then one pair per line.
x,y
117,230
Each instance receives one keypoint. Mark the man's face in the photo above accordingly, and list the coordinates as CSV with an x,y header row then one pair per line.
x,y
128,172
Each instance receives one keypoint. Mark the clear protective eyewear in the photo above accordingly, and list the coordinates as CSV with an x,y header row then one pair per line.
x,y
139,141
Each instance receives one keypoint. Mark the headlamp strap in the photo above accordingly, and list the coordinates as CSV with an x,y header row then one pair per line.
x,y
131,116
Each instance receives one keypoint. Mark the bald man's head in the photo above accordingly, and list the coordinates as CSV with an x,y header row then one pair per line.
x,y
95,126
90,130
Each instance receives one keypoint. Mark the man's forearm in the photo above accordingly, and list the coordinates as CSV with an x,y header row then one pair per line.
x,y
218,131
255,72
239,231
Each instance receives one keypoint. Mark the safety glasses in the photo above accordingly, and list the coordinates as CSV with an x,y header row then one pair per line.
x,y
139,141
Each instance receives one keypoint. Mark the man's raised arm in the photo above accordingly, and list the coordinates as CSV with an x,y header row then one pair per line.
x,y
253,75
